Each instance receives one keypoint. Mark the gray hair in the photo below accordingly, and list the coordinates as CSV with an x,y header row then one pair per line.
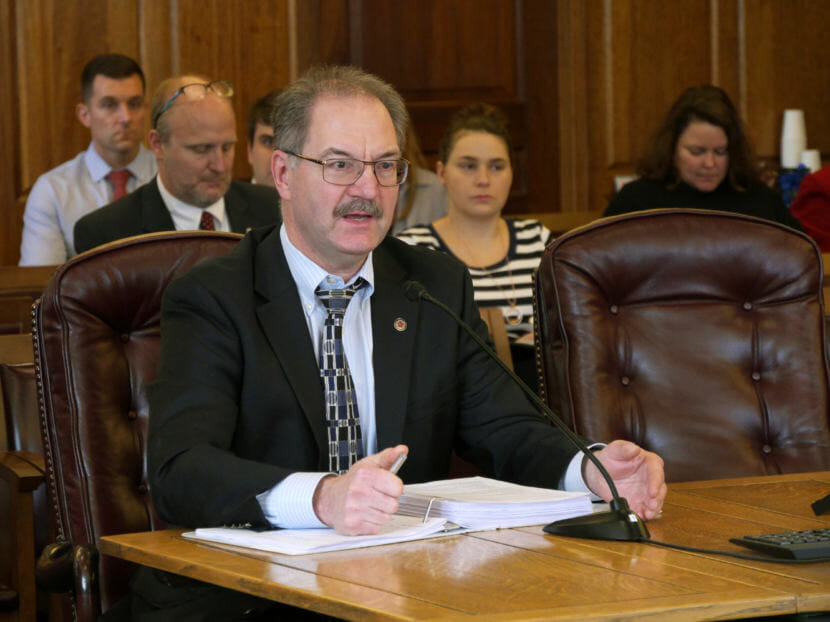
x,y
293,106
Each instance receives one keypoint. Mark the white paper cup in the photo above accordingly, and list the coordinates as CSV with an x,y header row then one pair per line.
x,y
811,158
793,138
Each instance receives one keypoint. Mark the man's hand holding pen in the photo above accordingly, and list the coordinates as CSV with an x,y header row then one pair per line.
x,y
362,500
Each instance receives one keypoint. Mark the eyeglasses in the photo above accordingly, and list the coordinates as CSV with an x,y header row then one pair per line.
x,y
196,91
346,171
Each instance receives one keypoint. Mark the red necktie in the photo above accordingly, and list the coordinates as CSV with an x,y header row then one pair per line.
x,y
119,181
206,223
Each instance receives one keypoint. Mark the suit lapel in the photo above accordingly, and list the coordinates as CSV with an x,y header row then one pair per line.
x,y
281,317
154,213
394,322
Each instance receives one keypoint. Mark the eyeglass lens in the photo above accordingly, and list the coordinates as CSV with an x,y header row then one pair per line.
x,y
345,172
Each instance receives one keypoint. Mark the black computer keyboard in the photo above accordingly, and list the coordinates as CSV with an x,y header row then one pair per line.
x,y
807,544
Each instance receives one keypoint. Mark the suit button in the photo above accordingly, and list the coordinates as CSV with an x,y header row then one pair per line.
x,y
766,449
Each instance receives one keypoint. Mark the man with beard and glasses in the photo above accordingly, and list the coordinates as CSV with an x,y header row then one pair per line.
x,y
296,370
193,138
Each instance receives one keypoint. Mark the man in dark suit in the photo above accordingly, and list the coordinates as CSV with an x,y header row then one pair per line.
x,y
239,425
193,139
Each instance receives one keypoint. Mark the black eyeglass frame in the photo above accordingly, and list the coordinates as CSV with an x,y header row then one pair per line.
x,y
227,92
323,163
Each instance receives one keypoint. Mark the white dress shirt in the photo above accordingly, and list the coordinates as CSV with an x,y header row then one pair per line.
x,y
289,503
60,198
186,217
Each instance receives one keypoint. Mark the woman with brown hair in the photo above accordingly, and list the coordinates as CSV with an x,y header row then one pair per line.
x,y
700,157
475,166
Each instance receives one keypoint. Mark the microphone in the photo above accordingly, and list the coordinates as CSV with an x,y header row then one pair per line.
x,y
619,523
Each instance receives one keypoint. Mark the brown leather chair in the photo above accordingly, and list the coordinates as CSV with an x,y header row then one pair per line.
x,y
97,339
23,508
697,334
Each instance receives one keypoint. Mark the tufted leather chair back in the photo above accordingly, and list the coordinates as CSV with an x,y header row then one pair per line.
x,y
696,334
97,342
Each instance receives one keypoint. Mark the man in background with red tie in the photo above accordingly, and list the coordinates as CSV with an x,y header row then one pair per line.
x,y
193,137
114,109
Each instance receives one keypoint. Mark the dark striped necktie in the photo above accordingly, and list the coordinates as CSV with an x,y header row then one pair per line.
x,y
342,418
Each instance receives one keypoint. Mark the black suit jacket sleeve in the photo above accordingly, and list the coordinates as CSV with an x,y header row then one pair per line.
x,y
238,405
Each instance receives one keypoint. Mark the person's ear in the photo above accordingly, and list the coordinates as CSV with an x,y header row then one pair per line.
x,y
281,173
154,140
82,112
439,170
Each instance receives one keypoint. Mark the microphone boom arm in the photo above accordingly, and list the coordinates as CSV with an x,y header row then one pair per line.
x,y
620,523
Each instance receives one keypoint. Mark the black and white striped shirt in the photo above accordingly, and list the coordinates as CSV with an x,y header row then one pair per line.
x,y
507,284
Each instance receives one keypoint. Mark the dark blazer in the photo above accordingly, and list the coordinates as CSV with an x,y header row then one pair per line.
x,y
143,211
760,201
238,402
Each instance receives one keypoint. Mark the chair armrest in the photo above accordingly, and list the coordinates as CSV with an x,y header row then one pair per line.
x,y
54,571
24,470
85,563
63,568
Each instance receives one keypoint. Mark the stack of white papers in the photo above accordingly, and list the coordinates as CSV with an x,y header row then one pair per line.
x,y
482,503
303,541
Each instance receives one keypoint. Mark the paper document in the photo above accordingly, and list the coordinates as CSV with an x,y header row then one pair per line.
x,y
303,541
451,506
482,503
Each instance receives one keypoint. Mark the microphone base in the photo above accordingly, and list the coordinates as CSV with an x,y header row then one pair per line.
x,y
620,523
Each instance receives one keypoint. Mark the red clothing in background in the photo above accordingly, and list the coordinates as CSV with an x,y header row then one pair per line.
x,y
812,207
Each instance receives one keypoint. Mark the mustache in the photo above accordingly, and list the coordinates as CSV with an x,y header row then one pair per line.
x,y
366,206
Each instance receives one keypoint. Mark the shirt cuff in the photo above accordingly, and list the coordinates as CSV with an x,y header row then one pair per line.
x,y
573,480
288,505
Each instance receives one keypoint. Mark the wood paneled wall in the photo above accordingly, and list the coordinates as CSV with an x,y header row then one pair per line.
x,y
584,82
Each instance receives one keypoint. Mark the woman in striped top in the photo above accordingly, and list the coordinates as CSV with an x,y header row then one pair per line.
x,y
501,254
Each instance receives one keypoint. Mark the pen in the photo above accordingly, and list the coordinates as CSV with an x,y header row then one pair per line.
x,y
401,459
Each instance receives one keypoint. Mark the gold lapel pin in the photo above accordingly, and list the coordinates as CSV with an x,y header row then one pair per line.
x,y
400,324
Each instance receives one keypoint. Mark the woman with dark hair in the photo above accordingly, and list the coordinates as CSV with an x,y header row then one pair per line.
x,y
700,157
474,164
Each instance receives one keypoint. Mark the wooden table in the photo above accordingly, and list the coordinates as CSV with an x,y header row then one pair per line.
x,y
525,574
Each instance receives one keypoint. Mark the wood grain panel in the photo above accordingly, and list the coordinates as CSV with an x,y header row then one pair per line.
x,y
322,33
572,85
244,42
539,89
10,225
154,42
433,49
787,66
